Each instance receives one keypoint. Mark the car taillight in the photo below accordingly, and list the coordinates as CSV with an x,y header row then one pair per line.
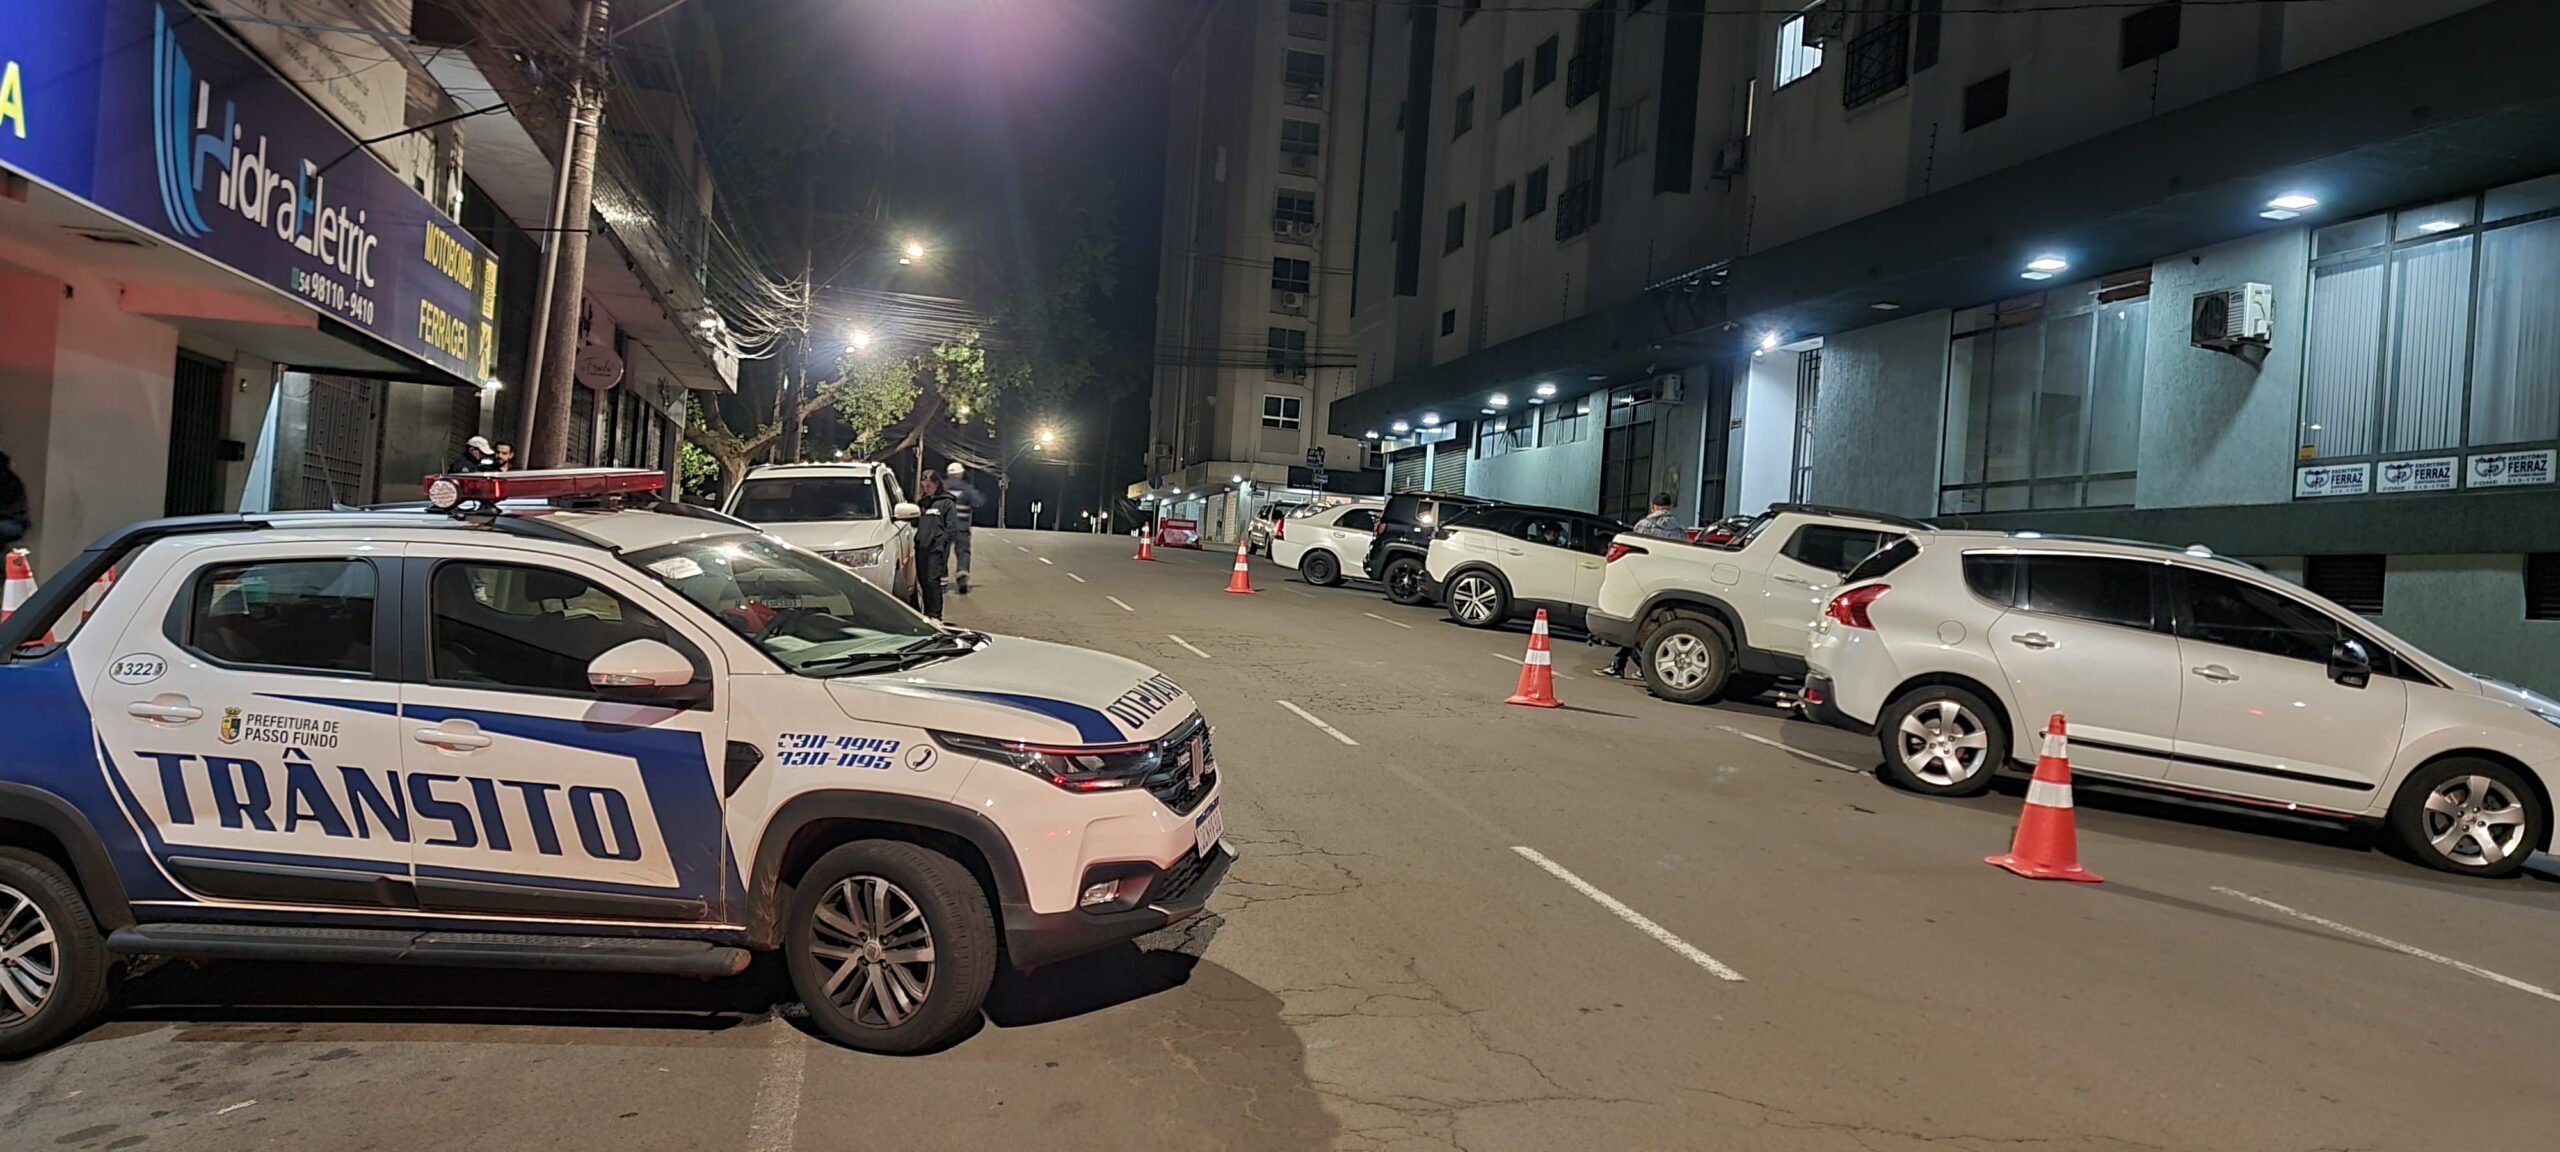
x,y
1617,550
1279,529
1850,607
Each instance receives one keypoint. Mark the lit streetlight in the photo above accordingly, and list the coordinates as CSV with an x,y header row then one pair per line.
x,y
861,338
911,252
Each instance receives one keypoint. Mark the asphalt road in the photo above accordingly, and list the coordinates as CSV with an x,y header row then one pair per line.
x,y
1461,925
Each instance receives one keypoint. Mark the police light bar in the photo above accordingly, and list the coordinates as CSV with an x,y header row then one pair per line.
x,y
451,489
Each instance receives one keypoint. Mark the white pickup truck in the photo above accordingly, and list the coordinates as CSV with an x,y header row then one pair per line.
x,y
1717,620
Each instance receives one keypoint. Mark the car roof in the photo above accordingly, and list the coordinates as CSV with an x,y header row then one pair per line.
x,y
2033,541
596,526
829,468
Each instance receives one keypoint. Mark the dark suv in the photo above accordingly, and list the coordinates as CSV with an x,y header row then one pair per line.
x,y
1404,539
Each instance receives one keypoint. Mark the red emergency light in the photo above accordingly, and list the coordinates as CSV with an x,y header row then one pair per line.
x,y
449,490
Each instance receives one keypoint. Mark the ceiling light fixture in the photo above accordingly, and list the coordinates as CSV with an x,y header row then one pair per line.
x,y
1500,400
1547,388
2289,205
1401,427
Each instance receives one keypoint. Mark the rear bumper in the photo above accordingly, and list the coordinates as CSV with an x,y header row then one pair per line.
x,y
1032,939
1608,629
1822,702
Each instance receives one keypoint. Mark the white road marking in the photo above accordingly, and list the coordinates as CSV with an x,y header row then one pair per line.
x,y
1076,578
1124,605
1384,620
1187,645
1045,560
1823,760
1020,548
2394,945
774,1122
1517,660
1329,729
1631,916
233,1108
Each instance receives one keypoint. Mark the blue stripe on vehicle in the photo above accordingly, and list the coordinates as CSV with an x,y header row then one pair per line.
x,y
50,746
1091,725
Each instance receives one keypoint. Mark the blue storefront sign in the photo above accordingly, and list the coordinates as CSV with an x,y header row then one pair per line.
x,y
150,112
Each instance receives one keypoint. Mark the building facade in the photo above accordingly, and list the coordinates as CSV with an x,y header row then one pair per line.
x,y
1254,300
2267,278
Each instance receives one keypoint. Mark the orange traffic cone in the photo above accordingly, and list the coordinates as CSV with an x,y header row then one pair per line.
x,y
2047,846
1146,545
17,586
1537,672
1242,581
97,592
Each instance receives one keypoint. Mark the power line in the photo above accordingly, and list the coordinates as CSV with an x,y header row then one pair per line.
x,y
1471,8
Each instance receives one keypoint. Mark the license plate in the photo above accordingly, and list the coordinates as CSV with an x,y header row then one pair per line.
x,y
1211,826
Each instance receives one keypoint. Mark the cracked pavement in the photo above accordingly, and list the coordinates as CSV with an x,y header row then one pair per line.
x,y
1382,971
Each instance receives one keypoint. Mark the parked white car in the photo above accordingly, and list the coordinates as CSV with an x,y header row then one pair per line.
x,y
2183,671
1490,564
1320,541
844,512
1718,620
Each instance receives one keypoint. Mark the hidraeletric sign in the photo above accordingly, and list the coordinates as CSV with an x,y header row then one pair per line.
x,y
147,110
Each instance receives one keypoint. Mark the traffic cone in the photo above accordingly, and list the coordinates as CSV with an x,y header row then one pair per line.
x,y
17,586
2047,846
1146,544
97,592
1242,581
1537,671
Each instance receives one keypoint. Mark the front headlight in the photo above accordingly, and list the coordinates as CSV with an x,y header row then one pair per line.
x,y
1076,768
857,557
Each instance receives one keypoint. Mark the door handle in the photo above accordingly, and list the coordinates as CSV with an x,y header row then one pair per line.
x,y
449,739
2036,640
2216,673
176,713
1798,581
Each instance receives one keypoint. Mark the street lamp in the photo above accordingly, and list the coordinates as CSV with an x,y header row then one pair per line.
x,y
861,338
911,252
1048,436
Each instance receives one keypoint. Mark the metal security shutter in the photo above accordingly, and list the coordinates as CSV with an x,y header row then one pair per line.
x,y
2542,586
1408,470
1449,475
195,431
2355,582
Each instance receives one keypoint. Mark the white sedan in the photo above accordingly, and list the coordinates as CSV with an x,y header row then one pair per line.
x,y
1321,541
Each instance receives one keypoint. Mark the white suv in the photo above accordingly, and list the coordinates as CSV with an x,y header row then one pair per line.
x,y
2182,671
1319,539
844,512
1490,564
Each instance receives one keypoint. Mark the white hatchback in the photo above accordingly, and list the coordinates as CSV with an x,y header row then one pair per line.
x,y
2185,672
1321,540
844,512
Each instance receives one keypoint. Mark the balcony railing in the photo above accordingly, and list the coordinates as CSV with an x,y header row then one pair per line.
x,y
1577,208
1879,62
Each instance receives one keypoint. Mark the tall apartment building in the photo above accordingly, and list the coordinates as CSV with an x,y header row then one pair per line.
x,y
1254,295
2272,278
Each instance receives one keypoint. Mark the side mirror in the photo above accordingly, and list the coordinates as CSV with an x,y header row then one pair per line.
x,y
2349,664
646,671
906,510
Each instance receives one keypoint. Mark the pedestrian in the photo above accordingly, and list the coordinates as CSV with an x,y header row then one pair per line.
x,y
15,520
909,589
935,526
1658,521
506,456
965,497
477,456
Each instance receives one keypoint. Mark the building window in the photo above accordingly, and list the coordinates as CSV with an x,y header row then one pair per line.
x,y
1280,412
1629,130
1534,193
1288,352
1593,36
1468,10
1289,207
1449,322
2044,399
1310,7
1455,237
1463,117
1503,198
2355,583
2542,586
1300,138
1578,206
1986,101
1796,59
1879,58
1501,435
1514,78
1302,72
2429,328
1564,422
1542,66
1928,30
2149,35
1289,275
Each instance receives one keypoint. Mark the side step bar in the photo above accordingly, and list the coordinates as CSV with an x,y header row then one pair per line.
x,y
443,949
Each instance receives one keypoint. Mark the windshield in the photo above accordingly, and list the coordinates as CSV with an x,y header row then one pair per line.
x,y
802,499
811,616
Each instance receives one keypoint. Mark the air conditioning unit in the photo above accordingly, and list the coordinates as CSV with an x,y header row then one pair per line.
x,y
1666,388
1826,21
1298,163
1732,156
1297,371
1306,96
1294,303
1303,229
2226,318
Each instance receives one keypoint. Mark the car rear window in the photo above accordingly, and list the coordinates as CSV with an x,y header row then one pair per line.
x,y
1831,547
1884,560
804,499
1993,577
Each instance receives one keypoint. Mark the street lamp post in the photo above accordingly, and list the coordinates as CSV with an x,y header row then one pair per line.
x,y
1004,473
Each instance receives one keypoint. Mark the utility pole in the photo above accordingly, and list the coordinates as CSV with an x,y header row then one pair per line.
x,y
796,385
557,374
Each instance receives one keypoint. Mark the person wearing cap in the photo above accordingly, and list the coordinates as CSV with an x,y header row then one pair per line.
x,y
965,501
476,456
1658,521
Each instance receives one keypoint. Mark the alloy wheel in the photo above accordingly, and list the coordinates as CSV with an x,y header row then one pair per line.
x,y
877,949
1942,743
30,961
1471,598
2474,821
1682,661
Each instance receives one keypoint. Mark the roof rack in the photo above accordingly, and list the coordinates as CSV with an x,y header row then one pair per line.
x,y
1855,514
